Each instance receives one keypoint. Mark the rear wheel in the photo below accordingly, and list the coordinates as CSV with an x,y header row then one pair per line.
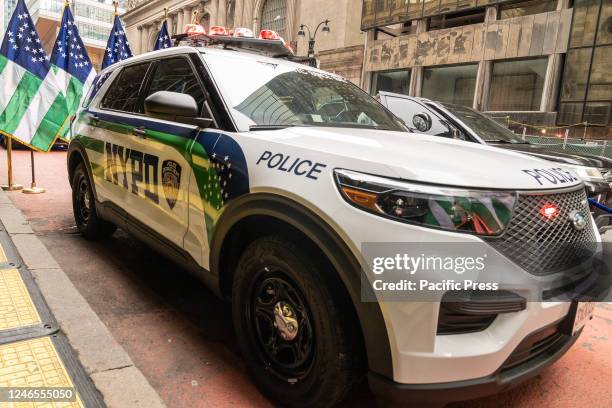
x,y
299,345
84,207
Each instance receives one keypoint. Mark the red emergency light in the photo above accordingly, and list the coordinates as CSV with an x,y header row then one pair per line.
x,y
218,30
549,211
269,35
194,29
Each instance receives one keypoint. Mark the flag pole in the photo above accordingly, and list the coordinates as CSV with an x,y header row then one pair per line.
x,y
9,161
33,189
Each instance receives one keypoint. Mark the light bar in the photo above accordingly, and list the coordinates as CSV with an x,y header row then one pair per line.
x,y
218,30
194,29
243,32
269,35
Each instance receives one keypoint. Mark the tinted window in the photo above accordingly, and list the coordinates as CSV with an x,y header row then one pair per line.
x,y
176,75
392,81
96,85
525,8
485,127
517,85
453,84
405,109
123,93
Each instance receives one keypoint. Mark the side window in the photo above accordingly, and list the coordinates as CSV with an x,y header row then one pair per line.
x,y
405,109
176,75
123,92
97,84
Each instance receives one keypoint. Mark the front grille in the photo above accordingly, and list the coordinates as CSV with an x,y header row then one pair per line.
x,y
543,246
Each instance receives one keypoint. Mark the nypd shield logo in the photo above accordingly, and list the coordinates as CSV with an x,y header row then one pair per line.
x,y
171,181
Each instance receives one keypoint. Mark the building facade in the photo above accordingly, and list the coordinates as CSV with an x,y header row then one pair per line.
x,y
94,19
538,62
341,51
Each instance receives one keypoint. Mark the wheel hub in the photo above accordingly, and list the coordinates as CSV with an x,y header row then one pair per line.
x,y
285,321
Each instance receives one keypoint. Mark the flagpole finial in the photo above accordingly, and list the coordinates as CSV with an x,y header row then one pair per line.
x,y
194,18
165,13
66,3
116,4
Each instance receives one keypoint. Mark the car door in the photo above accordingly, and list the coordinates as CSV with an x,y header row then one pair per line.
x,y
164,148
108,135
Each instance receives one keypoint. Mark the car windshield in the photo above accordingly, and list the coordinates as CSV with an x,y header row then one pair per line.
x,y
263,94
485,127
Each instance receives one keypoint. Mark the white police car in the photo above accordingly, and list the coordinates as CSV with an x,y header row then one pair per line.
x,y
266,177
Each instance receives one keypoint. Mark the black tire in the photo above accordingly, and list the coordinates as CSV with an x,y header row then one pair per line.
x,y
321,363
84,207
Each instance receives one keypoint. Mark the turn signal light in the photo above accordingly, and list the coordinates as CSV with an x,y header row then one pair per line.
x,y
194,29
269,35
243,32
361,198
218,30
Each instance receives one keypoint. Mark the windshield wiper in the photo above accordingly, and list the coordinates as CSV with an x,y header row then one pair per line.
x,y
505,142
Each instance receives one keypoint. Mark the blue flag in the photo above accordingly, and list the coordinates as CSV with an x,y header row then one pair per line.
x,y
22,45
118,47
69,53
74,73
33,109
163,38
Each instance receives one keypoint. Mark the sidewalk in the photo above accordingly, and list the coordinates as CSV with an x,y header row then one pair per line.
x,y
50,336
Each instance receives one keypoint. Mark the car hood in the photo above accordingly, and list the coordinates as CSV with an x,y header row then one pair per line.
x,y
422,158
547,153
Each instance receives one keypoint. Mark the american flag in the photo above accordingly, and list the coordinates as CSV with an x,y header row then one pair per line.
x,y
163,38
69,52
22,45
118,47
33,109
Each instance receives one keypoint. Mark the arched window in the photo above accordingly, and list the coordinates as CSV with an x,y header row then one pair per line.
x,y
274,16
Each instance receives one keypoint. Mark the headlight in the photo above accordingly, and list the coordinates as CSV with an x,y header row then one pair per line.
x,y
587,173
448,208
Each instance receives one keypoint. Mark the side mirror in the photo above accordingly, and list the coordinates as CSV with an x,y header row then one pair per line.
x,y
422,122
457,134
175,106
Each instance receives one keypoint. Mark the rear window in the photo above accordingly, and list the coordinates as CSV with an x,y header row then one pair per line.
x,y
123,93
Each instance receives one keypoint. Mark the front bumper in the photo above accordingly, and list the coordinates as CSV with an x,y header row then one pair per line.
x,y
534,354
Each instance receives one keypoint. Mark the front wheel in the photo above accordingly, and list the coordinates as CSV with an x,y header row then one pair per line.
x,y
84,207
300,346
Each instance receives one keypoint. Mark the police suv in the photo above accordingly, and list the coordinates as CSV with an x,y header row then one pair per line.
x,y
265,177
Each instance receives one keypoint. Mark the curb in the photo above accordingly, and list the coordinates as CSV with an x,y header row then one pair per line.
x,y
109,366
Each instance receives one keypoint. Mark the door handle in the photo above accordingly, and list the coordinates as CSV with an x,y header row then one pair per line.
x,y
140,132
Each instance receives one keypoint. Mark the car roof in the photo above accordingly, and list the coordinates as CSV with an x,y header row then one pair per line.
x,y
404,96
182,50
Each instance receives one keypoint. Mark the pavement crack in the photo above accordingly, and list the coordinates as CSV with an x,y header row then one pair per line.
x,y
114,368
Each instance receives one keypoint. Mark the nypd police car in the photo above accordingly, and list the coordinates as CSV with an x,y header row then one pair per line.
x,y
265,177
